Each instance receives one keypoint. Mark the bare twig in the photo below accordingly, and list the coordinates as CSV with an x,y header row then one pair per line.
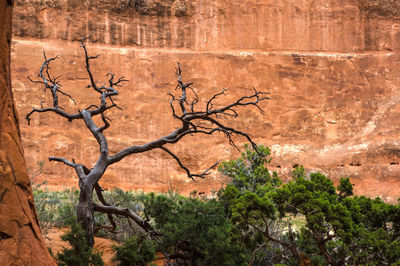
x,y
189,174
183,107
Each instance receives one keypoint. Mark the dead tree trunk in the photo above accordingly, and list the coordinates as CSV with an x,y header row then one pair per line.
x,y
183,108
85,213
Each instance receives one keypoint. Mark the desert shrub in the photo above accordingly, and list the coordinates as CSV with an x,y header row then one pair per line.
x,y
54,208
195,230
136,250
80,254
251,221
340,229
249,206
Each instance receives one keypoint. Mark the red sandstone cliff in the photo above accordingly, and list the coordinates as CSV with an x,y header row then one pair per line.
x,y
332,67
20,240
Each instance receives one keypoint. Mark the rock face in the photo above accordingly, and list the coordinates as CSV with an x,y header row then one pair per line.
x,y
332,67
20,240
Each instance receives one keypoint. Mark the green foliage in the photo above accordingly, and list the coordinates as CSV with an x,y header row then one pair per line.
x,y
194,230
54,208
135,251
249,172
254,220
339,228
345,188
80,254
249,204
299,172
345,229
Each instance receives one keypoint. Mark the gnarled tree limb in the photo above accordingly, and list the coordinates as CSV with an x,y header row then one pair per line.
x,y
127,213
183,107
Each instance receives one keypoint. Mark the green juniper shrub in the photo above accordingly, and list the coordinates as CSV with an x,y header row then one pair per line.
x,y
249,173
136,250
249,205
345,188
339,228
80,254
251,221
195,230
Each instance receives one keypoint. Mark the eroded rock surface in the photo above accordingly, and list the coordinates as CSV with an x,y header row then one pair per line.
x,y
20,240
332,68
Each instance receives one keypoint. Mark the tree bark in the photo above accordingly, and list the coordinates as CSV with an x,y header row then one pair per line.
x,y
193,122
85,213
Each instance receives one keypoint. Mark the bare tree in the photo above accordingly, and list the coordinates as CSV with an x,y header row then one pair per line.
x,y
183,107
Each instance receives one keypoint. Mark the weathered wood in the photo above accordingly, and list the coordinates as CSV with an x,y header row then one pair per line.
x,y
183,109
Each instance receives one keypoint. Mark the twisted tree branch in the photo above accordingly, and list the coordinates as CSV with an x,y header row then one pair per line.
x,y
129,214
183,108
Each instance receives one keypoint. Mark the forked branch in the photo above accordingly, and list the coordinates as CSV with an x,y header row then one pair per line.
x,y
53,84
190,119
79,168
184,108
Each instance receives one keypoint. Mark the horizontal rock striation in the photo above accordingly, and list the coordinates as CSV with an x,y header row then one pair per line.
x,y
301,25
332,68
